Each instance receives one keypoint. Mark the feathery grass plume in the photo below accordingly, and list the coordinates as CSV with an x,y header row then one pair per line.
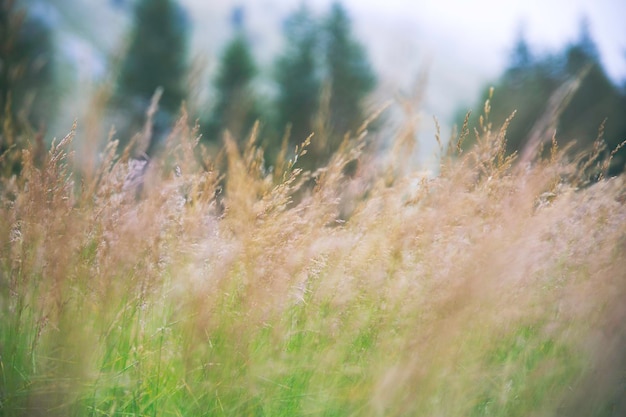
x,y
463,134
607,163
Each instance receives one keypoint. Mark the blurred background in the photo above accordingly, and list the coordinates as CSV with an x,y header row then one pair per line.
x,y
290,62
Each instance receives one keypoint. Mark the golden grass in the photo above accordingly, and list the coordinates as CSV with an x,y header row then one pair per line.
x,y
490,289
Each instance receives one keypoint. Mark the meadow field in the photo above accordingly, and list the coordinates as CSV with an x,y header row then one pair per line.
x,y
221,287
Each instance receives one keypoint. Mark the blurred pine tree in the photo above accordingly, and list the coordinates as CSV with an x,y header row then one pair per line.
x,y
297,75
27,101
323,77
235,107
348,70
528,83
156,57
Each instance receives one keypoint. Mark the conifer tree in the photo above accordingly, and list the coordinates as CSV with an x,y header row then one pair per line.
x,y
520,60
321,56
235,107
26,57
525,87
298,76
348,71
583,52
529,82
156,58
26,79
596,99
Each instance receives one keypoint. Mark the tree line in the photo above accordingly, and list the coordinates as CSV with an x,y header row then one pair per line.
x,y
321,58
534,85
319,80
320,54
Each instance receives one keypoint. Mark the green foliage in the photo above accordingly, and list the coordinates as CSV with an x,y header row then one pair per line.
x,y
323,78
26,79
156,57
235,106
320,56
347,70
298,76
530,82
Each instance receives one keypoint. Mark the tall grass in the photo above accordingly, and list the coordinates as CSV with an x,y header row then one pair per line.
x,y
491,289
